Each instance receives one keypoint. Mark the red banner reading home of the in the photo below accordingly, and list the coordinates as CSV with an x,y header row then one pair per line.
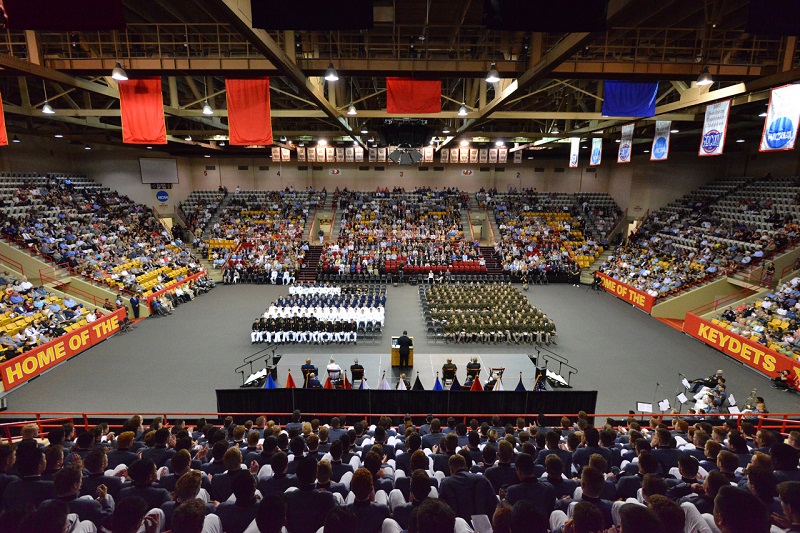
x,y
747,351
628,294
29,365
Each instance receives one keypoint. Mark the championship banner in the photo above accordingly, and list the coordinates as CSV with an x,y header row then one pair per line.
x,y
359,154
714,128
454,155
755,355
311,155
574,148
427,154
628,294
373,155
349,154
473,155
660,148
29,365
625,144
381,155
483,155
502,155
780,126
597,151
276,153
518,156
340,155
320,154
286,155
330,154
463,156
301,154
492,155
444,156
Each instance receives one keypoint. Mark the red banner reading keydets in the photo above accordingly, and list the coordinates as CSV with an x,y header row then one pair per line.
x,y
747,351
629,294
44,357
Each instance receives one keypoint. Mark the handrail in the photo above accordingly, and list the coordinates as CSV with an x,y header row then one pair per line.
x,y
171,286
560,359
788,268
622,218
6,426
67,288
490,225
719,302
780,421
258,356
311,226
16,265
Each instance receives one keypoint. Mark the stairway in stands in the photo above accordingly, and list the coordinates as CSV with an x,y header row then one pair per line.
x,y
493,263
587,274
309,270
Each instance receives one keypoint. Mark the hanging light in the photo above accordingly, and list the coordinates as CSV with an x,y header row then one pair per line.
x,y
188,138
118,73
352,110
493,76
47,109
462,111
464,143
87,147
207,109
322,142
364,130
555,129
15,139
499,143
446,130
331,74
58,136
705,78
221,143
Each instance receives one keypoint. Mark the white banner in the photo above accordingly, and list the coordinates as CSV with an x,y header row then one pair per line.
x,y
349,154
574,148
359,154
483,155
473,155
502,155
625,144
518,156
286,154
320,154
454,155
660,149
373,155
492,155
301,153
597,151
381,155
427,154
463,156
780,126
276,153
311,155
714,127
444,155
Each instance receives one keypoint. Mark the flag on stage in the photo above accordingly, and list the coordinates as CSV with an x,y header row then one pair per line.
x,y
476,385
270,383
384,384
540,383
347,384
520,385
401,385
455,385
417,384
328,384
438,384
499,385
364,385
290,381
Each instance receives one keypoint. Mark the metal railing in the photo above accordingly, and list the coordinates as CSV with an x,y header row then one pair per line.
x,y
720,302
16,265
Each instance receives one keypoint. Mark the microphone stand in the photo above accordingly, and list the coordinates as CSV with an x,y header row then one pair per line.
x,y
655,395
679,391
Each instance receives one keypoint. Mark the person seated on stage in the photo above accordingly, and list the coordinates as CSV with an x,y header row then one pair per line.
x,y
334,370
710,381
473,367
356,370
308,368
491,382
449,367
313,382
405,381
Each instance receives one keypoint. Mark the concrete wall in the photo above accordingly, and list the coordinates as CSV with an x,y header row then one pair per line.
x,y
678,306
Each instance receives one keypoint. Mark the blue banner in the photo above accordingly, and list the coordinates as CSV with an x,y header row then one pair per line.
x,y
627,99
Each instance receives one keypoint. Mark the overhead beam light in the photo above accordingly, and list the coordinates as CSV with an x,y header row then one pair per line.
x,y
188,138
493,76
118,73
352,110
499,143
331,74
207,109
58,136
674,131
364,130
322,142
15,139
464,143
462,111
446,130
705,78
47,109
87,147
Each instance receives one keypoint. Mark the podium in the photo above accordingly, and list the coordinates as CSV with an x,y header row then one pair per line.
x,y
396,352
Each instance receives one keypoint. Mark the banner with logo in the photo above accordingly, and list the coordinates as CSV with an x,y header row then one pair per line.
x,y
628,294
714,128
780,126
381,155
276,153
373,155
32,363
502,155
747,351
301,154
330,154
427,154
349,154
286,154
597,151
340,155
463,156
320,154
311,155
625,144
660,149
454,155
473,155
359,154
444,155
483,155
492,155
574,149
518,156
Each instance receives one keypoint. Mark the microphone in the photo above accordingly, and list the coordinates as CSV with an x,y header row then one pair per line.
x,y
658,384
681,375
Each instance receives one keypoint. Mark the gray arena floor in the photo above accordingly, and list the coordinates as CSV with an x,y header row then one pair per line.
x,y
173,364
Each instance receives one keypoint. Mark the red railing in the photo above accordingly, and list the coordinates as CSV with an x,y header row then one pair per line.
x,y
719,302
16,265
67,288
172,286
783,422
622,218
788,268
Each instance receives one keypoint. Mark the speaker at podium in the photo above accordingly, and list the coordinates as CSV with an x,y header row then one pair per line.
x,y
398,343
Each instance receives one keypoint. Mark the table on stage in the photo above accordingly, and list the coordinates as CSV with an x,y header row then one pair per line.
x,y
396,352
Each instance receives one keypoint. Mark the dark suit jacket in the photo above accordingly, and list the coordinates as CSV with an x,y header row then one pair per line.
x,y
581,456
403,484
565,455
468,494
369,516
235,518
405,344
338,469
501,476
540,494
158,454
432,438
121,457
628,486
277,484
92,481
562,487
668,457
28,490
90,509
307,508
5,479
153,496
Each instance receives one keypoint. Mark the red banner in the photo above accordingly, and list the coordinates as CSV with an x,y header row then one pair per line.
x,y
142,110
405,96
3,134
249,120
628,294
747,351
29,365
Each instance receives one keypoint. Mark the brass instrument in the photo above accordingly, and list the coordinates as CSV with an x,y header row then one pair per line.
x,y
750,402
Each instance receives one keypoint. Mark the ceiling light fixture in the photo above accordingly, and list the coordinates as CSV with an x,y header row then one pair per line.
x,y
47,109
464,143
331,74
647,151
58,136
705,78
554,130
446,130
283,138
87,147
118,73
364,130
207,108
499,143
206,155
493,76
15,139
149,147
188,138
674,131
462,111
352,110
739,140
322,142
221,143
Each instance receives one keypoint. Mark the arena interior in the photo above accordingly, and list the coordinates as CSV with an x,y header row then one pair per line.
x,y
223,224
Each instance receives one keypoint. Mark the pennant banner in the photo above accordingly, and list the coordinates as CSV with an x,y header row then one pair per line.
x,y
518,156
502,155
405,96
286,155
3,133
427,154
330,154
597,151
483,155
373,155
359,154
276,153
142,111
444,156
625,144
473,155
340,155
574,148
349,154
248,111
301,154
660,148
311,155
714,128
780,126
